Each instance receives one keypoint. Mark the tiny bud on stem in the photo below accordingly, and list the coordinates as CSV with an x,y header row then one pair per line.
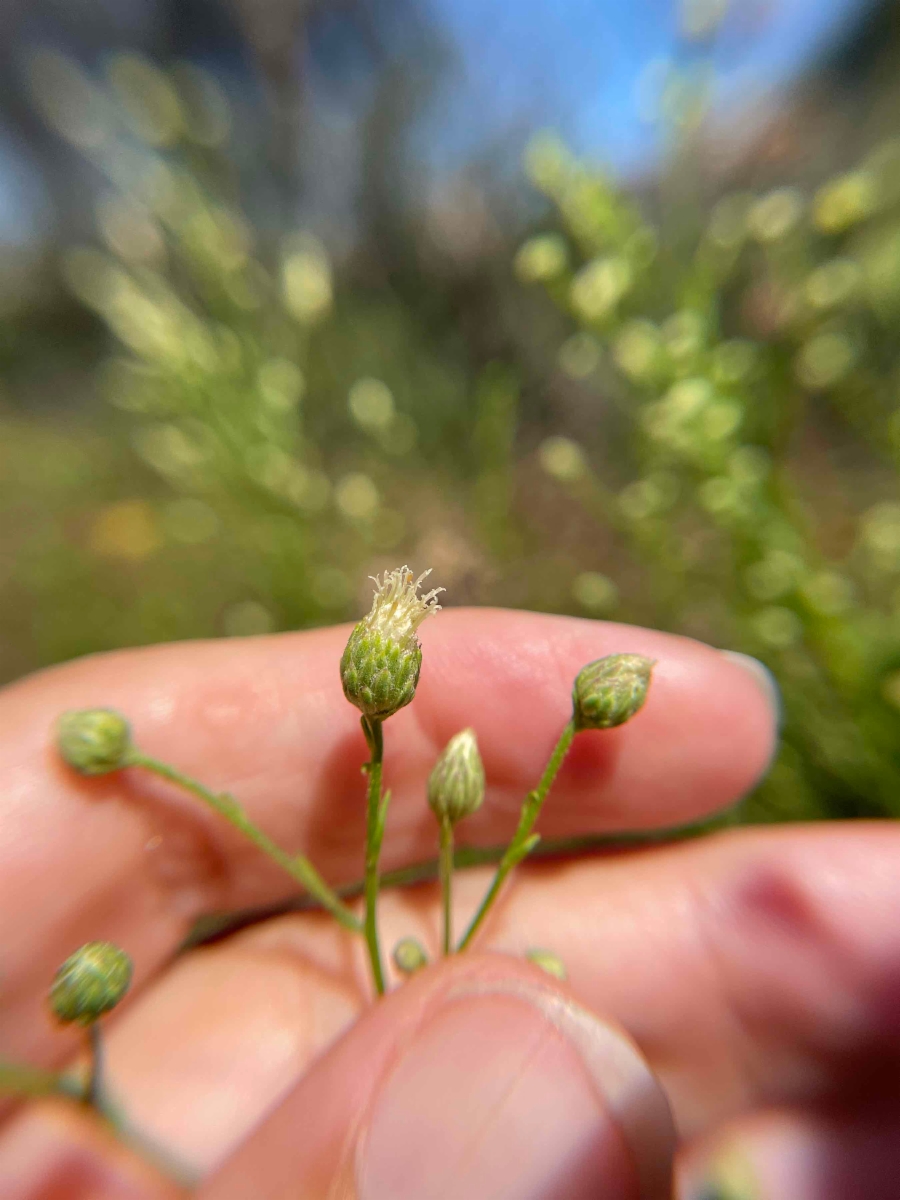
x,y
549,962
93,740
610,691
409,956
89,983
456,784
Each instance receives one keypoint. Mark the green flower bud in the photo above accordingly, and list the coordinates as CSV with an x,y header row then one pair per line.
x,y
456,785
732,1177
409,956
380,665
549,962
610,691
90,982
93,740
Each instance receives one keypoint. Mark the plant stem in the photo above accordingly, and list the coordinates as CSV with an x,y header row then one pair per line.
x,y
445,869
94,1094
19,1079
297,866
523,840
215,926
376,812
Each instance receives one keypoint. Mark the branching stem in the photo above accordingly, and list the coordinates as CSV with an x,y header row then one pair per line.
x,y
297,866
19,1079
524,840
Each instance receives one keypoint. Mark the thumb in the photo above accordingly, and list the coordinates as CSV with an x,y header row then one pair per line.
x,y
479,1078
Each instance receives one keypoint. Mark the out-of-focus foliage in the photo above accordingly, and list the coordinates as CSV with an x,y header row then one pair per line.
x,y
690,421
753,362
260,450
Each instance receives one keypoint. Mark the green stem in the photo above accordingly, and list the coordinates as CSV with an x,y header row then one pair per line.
x,y
215,926
297,866
376,811
19,1079
445,869
523,840
94,1094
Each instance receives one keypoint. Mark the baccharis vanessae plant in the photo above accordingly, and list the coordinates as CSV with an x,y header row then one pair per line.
x,y
379,673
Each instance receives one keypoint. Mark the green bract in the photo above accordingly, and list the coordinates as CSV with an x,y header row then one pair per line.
x,y
93,740
379,675
610,691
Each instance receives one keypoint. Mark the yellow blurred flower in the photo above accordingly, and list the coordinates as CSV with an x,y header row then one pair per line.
x,y
599,286
357,496
844,201
127,529
594,592
562,459
541,258
775,215
306,280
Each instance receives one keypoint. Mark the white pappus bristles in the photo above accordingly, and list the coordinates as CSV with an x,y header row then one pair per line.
x,y
397,609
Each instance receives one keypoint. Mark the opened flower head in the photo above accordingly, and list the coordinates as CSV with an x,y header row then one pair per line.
x,y
380,665
398,610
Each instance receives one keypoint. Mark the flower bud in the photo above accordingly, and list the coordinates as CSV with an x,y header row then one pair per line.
x,y
409,956
610,691
93,740
90,982
456,785
381,662
549,962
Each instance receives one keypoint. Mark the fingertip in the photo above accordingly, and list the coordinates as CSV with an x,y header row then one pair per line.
x,y
57,1151
709,733
704,737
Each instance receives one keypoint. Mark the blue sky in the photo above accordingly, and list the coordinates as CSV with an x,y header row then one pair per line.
x,y
576,64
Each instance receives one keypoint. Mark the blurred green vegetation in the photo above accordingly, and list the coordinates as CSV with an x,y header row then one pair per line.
x,y
686,415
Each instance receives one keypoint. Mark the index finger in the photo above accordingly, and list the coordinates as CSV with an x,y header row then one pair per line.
x,y
131,860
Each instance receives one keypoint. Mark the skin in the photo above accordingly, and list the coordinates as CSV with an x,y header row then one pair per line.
x,y
758,970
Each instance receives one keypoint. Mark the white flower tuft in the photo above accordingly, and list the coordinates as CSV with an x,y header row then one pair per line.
x,y
381,661
397,609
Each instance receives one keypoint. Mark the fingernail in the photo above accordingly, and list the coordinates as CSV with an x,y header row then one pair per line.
x,y
764,678
516,1094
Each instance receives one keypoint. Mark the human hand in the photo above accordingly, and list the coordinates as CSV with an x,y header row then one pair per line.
x,y
756,970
